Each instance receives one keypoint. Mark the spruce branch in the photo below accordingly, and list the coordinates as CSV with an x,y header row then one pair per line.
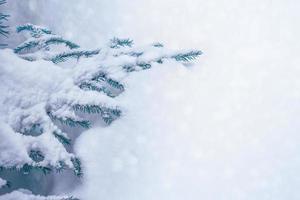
x,y
77,166
159,61
29,58
107,114
90,109
159,45
60,40
60,166
3,28
135,54
144,65
62,57
61,138
70,121
90,85
44,43
70,198
101,83
36,155
96,109
186,57
129,68
27,168
26,46
130,53
3,2
35,31
101,76
136,66
115,84
34,129
116,43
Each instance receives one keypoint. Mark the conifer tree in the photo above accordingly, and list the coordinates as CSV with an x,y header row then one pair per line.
x,y
89,91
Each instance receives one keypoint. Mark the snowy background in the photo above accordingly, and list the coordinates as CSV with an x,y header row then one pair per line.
x,y
225,128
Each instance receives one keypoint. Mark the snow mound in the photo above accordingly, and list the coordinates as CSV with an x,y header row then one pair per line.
x,y
26,195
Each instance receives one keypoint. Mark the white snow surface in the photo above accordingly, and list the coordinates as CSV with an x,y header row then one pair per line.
x,y
26,88
225,129
26,195
2,182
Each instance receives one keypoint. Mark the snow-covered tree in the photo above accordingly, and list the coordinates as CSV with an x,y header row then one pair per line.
x,y
54,89
3,28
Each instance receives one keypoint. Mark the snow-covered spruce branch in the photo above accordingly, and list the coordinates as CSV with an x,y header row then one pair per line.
x,y
36,44
101,83
186,57
116,43
77,54
69,121
26,169
107,114
158,45
45,96
62,137
43,44
56,58
3,28
34,30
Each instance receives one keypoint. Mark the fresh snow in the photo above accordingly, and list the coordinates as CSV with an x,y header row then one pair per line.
x,y
2,183
26,195
27,88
